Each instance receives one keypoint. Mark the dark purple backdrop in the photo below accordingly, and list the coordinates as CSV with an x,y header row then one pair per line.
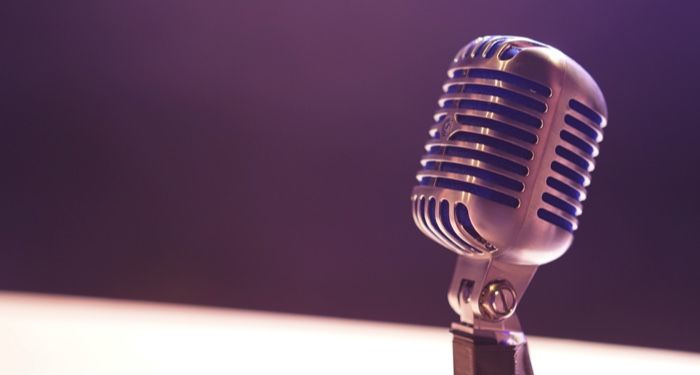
x,y
261,155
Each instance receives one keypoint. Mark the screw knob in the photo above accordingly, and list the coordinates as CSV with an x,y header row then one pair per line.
x,y
497,300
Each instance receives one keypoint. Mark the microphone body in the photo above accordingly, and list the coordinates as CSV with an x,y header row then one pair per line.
x,y
504,175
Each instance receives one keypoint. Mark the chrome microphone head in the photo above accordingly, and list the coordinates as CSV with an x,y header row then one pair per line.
x,y
510,153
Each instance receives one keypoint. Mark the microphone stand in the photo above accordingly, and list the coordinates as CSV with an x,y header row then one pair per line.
x,y
472,355
488,340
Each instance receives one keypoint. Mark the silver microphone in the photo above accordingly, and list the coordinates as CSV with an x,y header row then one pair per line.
x,y
505,171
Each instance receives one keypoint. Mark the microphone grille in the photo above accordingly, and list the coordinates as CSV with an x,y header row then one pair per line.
x,y
572,165
492,149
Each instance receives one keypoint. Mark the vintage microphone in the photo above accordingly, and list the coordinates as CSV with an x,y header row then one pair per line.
x,y
506,169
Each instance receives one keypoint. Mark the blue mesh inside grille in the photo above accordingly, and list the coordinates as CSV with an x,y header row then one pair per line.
x,y
426,181
555,219
493,142
502,110
568,173
463,219
433,219
523,100
572,157
509,53
445,219
564,188
494,47
436,150
577,142
495,178
486,158
582,127
421,206
483,44
518,81
586,111
499,127
559,203
477,190
431,165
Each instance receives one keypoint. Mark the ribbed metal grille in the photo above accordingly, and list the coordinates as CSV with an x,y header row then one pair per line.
x,y
486,127
582,132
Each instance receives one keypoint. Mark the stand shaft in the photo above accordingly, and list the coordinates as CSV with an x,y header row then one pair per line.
x,y
472,356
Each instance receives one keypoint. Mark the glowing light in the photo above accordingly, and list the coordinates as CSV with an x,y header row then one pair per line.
x,y
69,335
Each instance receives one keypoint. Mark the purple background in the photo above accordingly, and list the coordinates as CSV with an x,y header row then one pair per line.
x,y
261,155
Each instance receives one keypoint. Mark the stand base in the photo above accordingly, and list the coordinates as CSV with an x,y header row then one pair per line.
x,y
474,356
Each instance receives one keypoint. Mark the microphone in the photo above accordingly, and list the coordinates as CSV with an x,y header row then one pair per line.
x,y
504,175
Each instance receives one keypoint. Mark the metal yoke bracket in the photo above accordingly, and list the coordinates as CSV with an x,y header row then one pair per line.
x,y
488,339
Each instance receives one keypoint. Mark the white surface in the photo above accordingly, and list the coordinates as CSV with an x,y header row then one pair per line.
x,y
70,335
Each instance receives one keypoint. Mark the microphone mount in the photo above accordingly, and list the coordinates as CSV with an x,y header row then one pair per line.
x,y
485,293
